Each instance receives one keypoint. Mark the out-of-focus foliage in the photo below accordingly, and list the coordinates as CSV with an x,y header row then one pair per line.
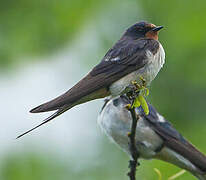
x,y
43,167
34,27
38,27
183,37
114,166
182,79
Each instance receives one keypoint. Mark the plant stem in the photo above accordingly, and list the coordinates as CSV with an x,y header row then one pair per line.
x,y
132,146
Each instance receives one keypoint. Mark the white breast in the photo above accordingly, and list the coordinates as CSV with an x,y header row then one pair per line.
x,y
148,72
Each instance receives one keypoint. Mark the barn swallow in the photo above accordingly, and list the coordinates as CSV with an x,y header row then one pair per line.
x,y
155,137
137,53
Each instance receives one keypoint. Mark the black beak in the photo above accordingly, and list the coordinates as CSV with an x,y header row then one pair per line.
x,y
157,28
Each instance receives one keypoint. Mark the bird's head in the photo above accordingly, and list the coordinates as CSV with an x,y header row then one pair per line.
x,y
143,29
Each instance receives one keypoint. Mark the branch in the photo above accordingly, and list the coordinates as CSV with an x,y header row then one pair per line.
x,y
132,145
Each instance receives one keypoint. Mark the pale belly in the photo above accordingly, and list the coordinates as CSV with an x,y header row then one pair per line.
x,y
119,86
148,72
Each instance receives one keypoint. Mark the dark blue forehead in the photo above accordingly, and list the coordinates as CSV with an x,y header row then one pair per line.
x,y
141,24
138,28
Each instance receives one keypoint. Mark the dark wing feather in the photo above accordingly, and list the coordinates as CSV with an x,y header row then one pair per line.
x,y
131,55
175,141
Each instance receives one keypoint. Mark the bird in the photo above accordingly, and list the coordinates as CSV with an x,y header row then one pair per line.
x,y
137,54
155,137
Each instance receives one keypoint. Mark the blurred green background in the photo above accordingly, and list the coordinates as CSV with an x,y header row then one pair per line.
x,y
47,46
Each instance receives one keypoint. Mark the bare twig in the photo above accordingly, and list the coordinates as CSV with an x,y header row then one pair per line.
x,y
132,145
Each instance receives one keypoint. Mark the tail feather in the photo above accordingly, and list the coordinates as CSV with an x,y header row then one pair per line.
x,y
43,108
54,115
59,102
61,106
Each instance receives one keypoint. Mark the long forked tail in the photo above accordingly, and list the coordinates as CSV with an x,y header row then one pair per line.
x,y
54,115
53,105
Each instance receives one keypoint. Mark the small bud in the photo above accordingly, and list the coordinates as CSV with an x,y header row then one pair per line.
x,y
134,82
128,106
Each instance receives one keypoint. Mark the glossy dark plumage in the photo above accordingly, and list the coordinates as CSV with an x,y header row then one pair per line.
x,y
131,52
132,57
